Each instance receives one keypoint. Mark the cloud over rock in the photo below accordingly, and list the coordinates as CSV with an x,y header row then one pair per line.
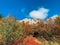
x,y
41,13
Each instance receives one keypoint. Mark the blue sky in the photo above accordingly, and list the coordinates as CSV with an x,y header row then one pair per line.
x,y
22,8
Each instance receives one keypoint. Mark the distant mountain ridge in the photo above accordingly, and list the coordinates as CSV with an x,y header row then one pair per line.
x,y
30,21
34,21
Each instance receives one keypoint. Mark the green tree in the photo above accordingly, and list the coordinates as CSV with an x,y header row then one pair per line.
x,y
1,16
57,20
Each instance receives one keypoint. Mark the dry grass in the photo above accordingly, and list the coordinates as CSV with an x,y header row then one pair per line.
x,y
45,42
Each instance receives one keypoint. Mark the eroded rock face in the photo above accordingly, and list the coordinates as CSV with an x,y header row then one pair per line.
x,y
30,40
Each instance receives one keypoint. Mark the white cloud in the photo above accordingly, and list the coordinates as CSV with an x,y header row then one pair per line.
x,y
53,17
41,13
